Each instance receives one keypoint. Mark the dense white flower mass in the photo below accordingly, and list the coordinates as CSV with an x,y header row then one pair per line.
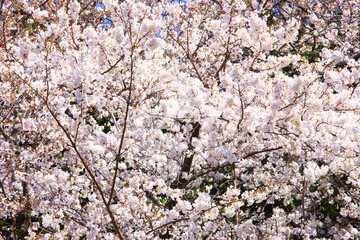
x,y
180,119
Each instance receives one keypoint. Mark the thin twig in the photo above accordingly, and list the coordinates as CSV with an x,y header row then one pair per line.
x,y
188,57
228,164
113,66
125,121
169,223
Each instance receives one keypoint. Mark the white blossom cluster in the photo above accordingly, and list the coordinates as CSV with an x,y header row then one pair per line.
x,y
180,120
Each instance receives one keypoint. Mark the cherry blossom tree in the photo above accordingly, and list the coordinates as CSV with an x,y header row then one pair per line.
x,y
204,119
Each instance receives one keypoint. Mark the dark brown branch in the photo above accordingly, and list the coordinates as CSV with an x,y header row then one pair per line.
x,y
181,182
113,66
199,214
3,133
188,55
167,224
203,40
223,65
2,188
43,4
228,164
261,151
1,6
242,110
219,4
23,217
124,128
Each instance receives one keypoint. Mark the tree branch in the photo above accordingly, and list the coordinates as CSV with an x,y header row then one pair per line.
x,y
228,164
113,66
